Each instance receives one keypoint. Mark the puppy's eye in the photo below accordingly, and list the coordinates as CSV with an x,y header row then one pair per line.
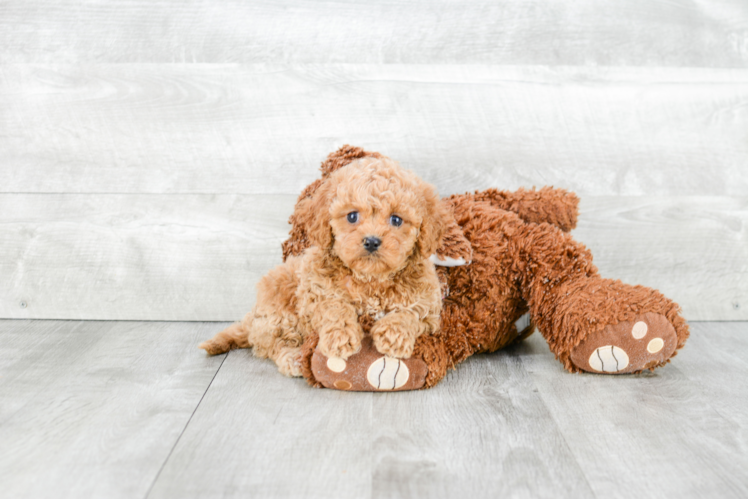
x,y
352,217
395,220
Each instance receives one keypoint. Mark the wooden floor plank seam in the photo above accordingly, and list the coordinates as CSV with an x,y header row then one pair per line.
x,y
176,442
558,425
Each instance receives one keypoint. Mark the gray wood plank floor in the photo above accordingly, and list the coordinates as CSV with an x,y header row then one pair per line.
x,y
92,409
134,409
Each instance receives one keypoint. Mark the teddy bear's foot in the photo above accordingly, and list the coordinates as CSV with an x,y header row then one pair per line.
x,y
368,370
628,347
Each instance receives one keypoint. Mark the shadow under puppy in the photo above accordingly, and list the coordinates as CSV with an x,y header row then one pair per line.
x,y
373,226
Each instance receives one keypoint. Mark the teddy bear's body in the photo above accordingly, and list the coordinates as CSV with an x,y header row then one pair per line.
x,y
517,258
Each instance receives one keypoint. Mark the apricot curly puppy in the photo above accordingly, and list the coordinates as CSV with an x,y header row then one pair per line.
x,y
373,226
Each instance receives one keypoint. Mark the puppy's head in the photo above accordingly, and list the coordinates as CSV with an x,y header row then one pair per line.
x,y
375,216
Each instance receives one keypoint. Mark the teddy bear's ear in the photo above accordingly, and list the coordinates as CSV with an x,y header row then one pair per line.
x,y
313,214
435,221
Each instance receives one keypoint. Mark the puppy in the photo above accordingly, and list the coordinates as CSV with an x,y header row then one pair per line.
x,y
373,226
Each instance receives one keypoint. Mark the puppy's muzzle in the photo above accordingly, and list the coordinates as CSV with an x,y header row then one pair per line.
x,y
371,243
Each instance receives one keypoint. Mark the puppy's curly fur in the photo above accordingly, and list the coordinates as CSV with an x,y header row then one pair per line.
x,y
338,279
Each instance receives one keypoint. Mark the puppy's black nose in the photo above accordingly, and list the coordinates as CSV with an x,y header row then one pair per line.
x,y
371,243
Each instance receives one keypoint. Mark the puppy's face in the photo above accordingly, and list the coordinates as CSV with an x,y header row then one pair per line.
x,y
375,221
378,216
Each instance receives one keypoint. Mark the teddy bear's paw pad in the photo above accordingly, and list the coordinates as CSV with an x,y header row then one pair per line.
x,y
609,358
630,346
336,365
369,371
387,373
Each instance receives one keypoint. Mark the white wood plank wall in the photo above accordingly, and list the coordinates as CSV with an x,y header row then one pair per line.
x,y
151,152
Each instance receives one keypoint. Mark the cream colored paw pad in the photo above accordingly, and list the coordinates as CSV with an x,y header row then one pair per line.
x,y
609,358
655,345
387,373
336,365
639,330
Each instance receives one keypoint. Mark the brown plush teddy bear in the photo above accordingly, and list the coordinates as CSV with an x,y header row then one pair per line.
x,y
505,256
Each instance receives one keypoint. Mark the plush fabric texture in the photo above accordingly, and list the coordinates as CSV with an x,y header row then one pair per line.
x,y
519,258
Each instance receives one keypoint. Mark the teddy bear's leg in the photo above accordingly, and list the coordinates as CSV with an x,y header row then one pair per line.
x,y
370,371
592,324
367,370
647,341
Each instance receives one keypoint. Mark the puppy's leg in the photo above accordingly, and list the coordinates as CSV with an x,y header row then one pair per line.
x,y
233,337
395,334
271,329
336,323
276,336
288,360
331,316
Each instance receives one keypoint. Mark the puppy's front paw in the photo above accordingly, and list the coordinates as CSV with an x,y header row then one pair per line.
x,y
289,362
394,339
341,343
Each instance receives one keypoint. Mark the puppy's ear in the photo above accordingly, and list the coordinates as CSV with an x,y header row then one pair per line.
x,y
342,157
435,221
313,214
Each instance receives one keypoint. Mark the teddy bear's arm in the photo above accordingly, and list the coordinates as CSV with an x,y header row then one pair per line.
x,y
454,249
555,206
